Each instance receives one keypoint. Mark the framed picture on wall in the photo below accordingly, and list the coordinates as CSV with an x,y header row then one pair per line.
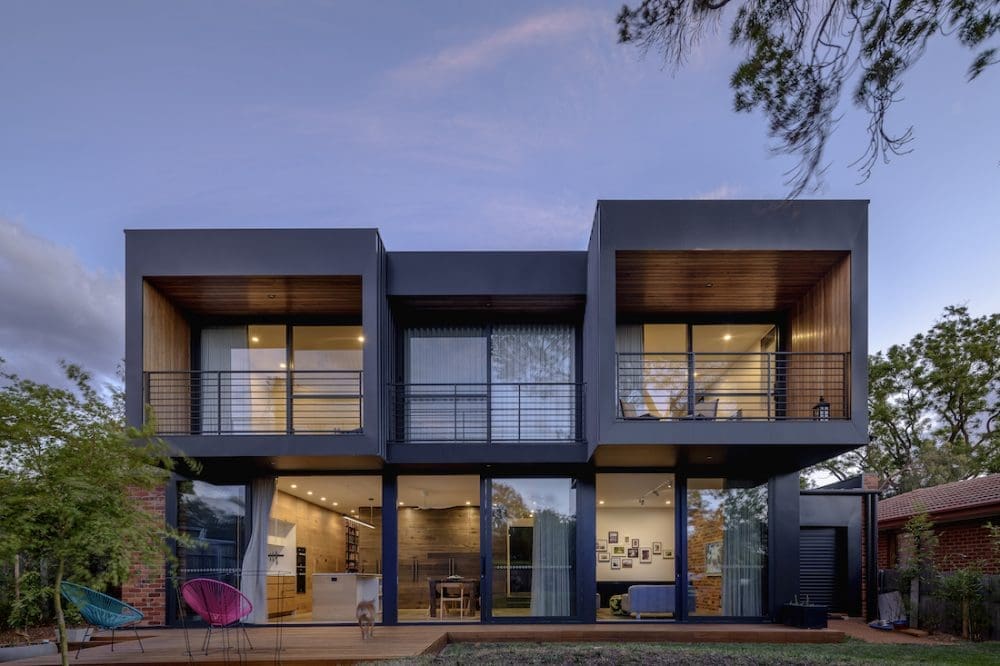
x,y
603,557
635,543
668,553
633,552
627,563
645,556
602,545
657,547
612,537
617,550
616,563
713,558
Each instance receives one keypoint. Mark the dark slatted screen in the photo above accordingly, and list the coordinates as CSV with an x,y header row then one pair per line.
x,y
821,567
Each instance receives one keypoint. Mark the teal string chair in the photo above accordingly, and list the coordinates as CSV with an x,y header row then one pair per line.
x,y
102,611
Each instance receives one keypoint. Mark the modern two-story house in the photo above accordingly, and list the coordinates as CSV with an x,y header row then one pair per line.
x,y
612,434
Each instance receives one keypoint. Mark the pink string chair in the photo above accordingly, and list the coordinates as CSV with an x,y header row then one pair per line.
x,y
218,604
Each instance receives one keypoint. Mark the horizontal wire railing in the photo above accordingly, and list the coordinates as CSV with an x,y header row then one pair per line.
x,y
246,402
487,412
759,386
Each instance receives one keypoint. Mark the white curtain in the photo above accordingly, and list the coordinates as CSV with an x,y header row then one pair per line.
x,y
533,368
253,578
745,552
449,366
219,391
553,538
629,343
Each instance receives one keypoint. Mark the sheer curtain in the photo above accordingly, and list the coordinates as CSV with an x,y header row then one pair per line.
x,y
447,373
553,539
253,574
745,552
629,341
217,390
533,370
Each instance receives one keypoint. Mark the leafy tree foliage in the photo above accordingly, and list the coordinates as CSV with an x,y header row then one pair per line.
x,y
800,56
67,462
934,406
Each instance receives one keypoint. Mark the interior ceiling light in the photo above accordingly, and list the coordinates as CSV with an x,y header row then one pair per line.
x,y
361,338
254,339
600,502
309,492
271,296
727,337
322,499
709,285
294,486
359,522
335,504
468,503
400,502
282,365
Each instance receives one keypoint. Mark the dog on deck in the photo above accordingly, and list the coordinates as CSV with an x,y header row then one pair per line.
x,y
366,618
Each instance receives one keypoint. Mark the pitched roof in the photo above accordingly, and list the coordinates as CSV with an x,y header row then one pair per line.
x,y
978,493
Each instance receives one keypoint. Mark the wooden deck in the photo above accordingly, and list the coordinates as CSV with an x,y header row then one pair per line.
x,y
311,646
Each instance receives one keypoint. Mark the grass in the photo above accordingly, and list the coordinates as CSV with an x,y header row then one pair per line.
x,y
851,652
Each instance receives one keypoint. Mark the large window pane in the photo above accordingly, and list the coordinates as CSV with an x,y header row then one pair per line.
x,y
534,547
327,384
242,383
727,547
635,545
324,544
213,517
735,370
445,398
439,554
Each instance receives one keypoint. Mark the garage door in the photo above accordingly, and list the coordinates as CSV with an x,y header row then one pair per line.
x,y
822,566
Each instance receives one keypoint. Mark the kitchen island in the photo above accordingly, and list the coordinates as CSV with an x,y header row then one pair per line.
x,y
336,595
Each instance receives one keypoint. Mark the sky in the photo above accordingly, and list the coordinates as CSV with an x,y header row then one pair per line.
x,y
447,125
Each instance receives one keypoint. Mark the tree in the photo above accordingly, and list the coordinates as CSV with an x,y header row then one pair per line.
x,y
67,463
800,55
934,406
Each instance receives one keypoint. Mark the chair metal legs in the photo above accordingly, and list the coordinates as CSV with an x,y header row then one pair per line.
x,y
136,632
245,634
79,647
225,637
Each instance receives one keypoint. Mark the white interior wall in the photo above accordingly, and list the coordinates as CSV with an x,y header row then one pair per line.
x,y
648,524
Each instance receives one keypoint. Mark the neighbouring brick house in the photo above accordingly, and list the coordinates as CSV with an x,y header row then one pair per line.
x,y
960,512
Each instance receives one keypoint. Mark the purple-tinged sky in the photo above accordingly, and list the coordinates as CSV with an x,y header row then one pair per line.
x,y
445,124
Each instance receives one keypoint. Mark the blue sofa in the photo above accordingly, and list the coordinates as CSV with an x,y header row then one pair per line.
x,y
654,599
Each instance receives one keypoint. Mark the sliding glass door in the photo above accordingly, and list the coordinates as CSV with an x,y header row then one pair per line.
x,y
532,547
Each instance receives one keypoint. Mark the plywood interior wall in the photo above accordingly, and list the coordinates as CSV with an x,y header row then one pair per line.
x,y
434,543
821,322
166,345
323,535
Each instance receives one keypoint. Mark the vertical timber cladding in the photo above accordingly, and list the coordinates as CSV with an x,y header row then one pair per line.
x,y
821,323
166,345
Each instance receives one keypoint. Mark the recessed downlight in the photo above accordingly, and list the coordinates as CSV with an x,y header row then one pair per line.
x,y
294,486
322,499
600,501
335,503
727,337
309,492
468,503
254,338
401,502
361,338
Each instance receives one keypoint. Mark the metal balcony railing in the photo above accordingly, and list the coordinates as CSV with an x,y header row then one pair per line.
x,y
774,386
251,402
488,412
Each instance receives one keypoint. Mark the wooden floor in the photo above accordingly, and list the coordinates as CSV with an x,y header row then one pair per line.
x,y
339,645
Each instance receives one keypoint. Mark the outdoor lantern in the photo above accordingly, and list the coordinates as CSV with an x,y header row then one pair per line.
x,y
821,410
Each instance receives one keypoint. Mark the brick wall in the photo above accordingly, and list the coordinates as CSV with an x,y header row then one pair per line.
x,y
959,544
706,527
146,589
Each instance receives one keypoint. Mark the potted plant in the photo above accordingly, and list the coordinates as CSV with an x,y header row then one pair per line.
x,y
77,630
805,615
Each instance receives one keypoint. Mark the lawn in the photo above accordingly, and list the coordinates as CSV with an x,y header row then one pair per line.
x,y
740,654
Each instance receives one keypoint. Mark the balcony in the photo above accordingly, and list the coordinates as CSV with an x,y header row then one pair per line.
x,y
738,386
487,412
233,402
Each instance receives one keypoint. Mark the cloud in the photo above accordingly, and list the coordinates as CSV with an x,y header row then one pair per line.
x,y
52,307
455,61
723,191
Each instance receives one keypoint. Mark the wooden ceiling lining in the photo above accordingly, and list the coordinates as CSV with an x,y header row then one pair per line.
x,y
692,281
335,295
